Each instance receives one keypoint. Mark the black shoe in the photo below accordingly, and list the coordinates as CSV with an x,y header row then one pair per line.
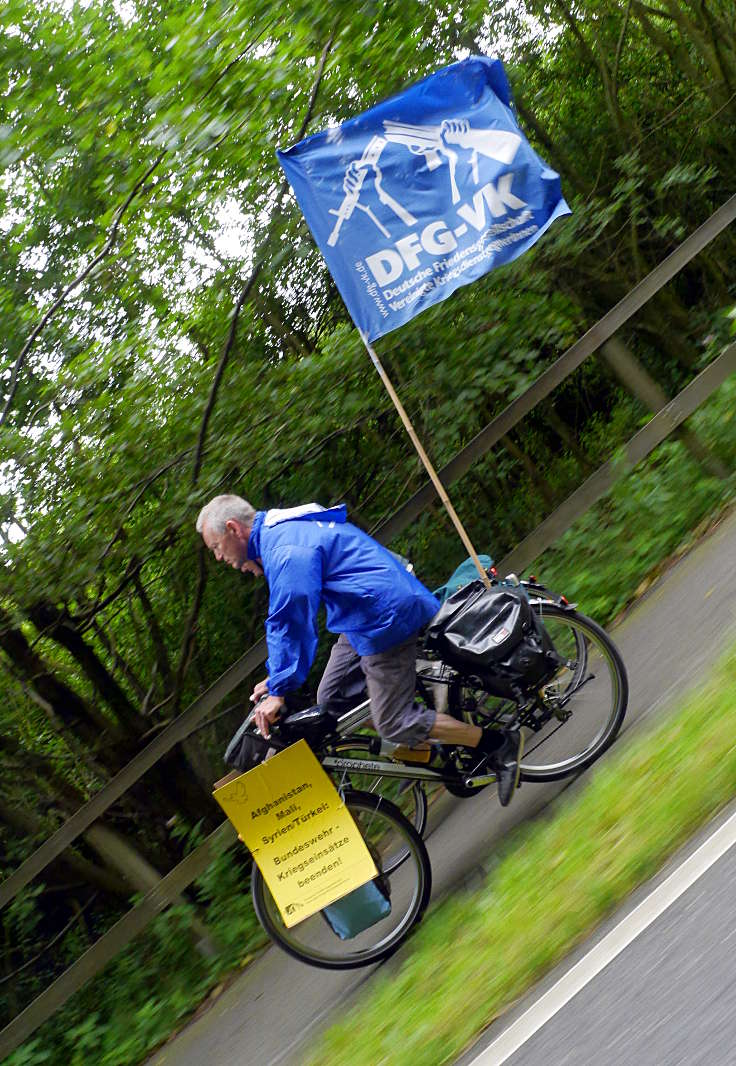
x,y
506,763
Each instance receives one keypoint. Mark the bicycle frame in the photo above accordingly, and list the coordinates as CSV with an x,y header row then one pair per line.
x,y
376,746
404,771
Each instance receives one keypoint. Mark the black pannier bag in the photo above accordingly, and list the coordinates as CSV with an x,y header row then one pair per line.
x,y
495,635
246,749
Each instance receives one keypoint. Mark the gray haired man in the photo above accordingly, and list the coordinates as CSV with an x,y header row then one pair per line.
x,y
311,557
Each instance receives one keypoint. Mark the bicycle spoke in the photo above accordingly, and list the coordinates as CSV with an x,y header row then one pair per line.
x,y
590,688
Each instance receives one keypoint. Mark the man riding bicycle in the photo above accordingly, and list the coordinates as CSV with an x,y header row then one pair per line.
x,y
310,556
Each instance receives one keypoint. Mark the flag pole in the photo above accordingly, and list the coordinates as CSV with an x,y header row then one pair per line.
x,y
434,477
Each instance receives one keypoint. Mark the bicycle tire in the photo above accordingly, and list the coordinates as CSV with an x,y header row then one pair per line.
x,y
312,942
591,642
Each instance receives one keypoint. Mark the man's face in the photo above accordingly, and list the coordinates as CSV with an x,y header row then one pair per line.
x,y
231,546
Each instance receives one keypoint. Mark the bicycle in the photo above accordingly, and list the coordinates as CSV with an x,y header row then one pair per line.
x,y
570,721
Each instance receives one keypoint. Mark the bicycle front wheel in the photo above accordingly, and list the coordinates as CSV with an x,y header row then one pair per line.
x,y
585,701
402,860
409,796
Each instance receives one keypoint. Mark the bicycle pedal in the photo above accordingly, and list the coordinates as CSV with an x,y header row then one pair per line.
x,y
479,780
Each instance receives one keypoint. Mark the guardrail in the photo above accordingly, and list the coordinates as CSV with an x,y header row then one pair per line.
x,y
670,417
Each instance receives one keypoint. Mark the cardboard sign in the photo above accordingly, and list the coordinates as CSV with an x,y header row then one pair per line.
x,y
300,832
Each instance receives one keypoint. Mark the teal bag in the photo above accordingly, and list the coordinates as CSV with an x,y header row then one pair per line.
x,y
359,910
464,574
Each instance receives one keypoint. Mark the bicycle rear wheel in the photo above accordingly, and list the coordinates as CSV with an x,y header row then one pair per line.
x,y
581,708
401,858
409,796
588,696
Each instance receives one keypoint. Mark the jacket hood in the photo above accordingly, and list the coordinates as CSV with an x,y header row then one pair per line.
x,y
306,512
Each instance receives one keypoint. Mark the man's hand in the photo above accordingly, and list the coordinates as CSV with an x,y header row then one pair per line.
x,y
267,711
453,129
261,689
353,181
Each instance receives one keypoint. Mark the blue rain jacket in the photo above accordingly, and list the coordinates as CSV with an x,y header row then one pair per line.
x,y
311,555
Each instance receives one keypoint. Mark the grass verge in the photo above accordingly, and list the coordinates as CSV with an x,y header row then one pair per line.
x,y
613,552
476,953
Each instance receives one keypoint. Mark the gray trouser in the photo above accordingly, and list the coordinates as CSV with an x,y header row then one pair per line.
x,y
390,676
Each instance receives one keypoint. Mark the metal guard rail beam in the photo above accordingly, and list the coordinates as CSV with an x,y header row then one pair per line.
x,y
135,769
114,940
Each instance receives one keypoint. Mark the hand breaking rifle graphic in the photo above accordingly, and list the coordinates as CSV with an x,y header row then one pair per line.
x,y
354,177
433,141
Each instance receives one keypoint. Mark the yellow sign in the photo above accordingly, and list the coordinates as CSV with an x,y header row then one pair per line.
x,y
300,832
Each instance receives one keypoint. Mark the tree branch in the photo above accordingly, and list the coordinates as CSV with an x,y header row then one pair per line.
x,y
342,431
146,484
157,637
42,953
245,291
619,47
73,284
187,644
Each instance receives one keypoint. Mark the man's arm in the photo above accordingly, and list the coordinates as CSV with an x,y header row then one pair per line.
x,y
295,584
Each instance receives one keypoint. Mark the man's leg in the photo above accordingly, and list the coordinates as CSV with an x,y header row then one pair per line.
x,y
450,731
399,717
391,677
501,748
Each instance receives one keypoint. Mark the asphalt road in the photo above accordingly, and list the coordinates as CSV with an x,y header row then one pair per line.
x,y
274,1011
665,999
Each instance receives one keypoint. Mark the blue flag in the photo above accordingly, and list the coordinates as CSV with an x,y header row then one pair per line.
x,y
423,193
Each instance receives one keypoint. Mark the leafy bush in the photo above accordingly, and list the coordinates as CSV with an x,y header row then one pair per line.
x,y
656,510
142,996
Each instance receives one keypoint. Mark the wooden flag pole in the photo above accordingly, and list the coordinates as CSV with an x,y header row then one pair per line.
x,y
434,477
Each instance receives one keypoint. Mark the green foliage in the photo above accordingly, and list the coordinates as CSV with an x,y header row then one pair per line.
x,y
146,992
612,553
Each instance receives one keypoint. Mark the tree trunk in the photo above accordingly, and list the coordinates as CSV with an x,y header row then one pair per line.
x,y
57,625
635,378
169,787
157,637
552,150
121,856
690,32
120,663
594,56
71,709
27,823
538,480
566,435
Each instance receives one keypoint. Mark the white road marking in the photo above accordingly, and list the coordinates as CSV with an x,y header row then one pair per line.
x,y
686,874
